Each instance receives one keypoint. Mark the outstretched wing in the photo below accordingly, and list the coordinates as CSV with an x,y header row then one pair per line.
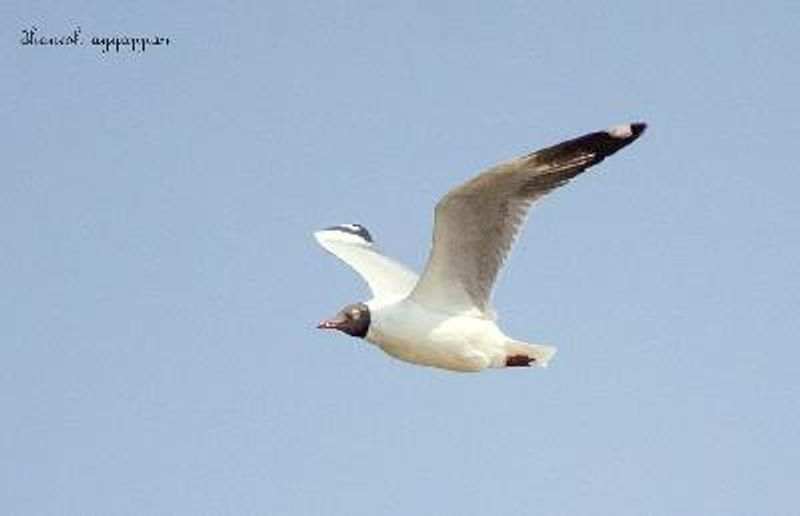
x,y
353,244
476,222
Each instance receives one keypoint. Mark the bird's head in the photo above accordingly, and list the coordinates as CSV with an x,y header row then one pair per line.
x,y
353,320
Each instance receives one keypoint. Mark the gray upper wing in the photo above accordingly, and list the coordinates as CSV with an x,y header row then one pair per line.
x,y
476,222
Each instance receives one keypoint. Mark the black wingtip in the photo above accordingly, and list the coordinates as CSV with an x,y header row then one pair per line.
x,y
352,229
627,132
637,128
600,144
615,138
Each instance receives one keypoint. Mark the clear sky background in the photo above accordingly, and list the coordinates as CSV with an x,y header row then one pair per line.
x,y
160,284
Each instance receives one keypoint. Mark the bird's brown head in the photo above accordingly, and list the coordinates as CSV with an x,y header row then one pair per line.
x,y
353,320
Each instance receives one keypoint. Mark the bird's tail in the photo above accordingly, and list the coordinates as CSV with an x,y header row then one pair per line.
x,y
539,353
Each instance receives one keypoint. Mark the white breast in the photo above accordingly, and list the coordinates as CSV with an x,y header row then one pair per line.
x,y
413,334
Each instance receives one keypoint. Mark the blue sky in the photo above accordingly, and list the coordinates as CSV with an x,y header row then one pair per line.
x,y
161,283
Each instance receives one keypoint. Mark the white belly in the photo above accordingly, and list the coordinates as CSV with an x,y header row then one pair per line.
x,y
439,340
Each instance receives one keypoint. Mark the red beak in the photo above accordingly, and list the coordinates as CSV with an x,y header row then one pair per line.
x,y
327,325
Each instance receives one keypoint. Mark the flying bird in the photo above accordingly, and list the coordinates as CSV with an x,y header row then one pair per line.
x,y
444,318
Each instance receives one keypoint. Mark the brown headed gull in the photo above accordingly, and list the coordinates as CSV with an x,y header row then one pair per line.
x,y
444,318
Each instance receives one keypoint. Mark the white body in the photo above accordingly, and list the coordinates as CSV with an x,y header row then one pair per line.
x,y
414,334
444,317
462,338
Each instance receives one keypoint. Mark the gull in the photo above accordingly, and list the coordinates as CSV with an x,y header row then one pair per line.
x,y
444,317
